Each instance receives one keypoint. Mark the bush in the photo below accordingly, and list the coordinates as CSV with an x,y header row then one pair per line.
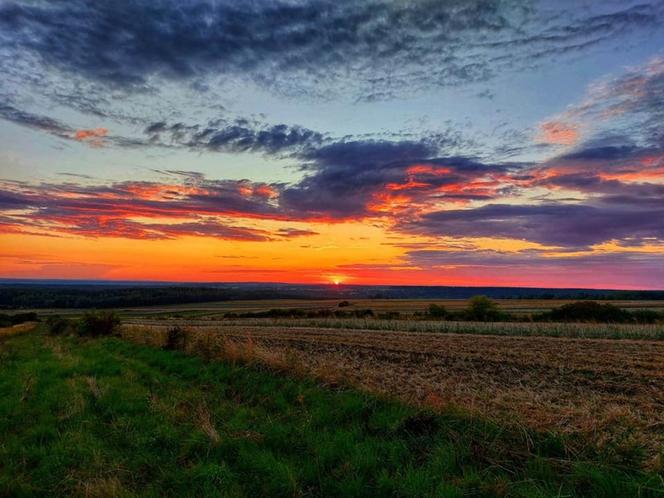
x,y
589,311
389,315
11,320
437,312
175,339
343,304
483,309
56,325
646,316
98,323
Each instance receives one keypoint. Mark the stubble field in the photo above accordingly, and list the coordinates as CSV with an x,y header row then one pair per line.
x,y
608,393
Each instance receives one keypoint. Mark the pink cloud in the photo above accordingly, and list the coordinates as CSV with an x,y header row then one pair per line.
x,y
558,133
93,136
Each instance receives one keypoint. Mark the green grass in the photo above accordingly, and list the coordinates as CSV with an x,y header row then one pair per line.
x,y
108,418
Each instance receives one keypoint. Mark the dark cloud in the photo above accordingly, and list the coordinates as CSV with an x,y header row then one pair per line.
x,y
638,269
530,258
234,136
569,225
96,227
294,46
35,121
289,233
74,208
345,177
407,184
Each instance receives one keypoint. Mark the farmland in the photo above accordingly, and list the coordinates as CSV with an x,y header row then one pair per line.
x,y
225,399
111,417
217,309
599,389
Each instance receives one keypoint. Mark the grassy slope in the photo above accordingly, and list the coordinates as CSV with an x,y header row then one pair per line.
x,y
106,417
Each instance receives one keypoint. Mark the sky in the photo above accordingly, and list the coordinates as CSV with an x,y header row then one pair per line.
x,y
413,142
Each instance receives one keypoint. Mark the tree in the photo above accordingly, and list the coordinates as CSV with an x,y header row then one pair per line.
x,y
482,309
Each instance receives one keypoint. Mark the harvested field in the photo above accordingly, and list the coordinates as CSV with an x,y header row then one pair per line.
x,y
610,392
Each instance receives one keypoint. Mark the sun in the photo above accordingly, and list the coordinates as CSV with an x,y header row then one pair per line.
x,y
337,279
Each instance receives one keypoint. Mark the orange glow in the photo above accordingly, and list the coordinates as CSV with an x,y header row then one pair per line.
x,y
340,254
337,279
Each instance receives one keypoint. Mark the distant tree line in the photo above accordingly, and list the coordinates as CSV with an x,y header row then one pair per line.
x,y
483,309
22,296
17,297
479,309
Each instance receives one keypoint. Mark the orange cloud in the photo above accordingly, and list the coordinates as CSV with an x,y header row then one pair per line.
x,y
558,133
93,136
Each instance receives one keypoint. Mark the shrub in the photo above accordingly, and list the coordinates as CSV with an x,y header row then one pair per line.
x,y
10,320
367,313
589,311
646,316
56,325
175,339
98,323
343,304
437,311
390,315
483,309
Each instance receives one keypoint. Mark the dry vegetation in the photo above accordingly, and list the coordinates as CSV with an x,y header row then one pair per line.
x,y
610,392
17,329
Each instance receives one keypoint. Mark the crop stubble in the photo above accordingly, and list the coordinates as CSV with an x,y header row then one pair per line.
x,y
609,391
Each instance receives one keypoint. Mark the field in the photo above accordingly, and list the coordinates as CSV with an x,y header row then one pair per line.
x,y
406,306
609,392
105,417
186,401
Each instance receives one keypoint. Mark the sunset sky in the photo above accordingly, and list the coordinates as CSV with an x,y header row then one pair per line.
x,y
420,142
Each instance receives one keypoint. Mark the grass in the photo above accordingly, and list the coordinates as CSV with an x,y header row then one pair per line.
x,y
105,417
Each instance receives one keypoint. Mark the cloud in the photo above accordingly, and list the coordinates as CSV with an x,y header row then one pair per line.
x,y
239,135
529,259
633,269
94,136
289,233
620,111
34,121
557,133
357,178
373,49
137,209
556,224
